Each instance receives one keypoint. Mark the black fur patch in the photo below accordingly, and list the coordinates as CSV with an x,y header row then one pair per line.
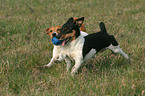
x,y
98,40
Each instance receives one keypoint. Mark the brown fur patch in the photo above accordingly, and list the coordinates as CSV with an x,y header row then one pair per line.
x,y
72,35
53,29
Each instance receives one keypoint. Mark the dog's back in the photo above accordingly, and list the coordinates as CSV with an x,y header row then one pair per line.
x,y
98,40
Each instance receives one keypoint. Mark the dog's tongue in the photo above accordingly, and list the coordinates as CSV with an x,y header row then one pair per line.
x,y
63,43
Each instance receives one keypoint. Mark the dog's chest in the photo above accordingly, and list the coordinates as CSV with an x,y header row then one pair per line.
x,y
74,49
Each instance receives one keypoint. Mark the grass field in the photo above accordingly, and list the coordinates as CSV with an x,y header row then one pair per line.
x,y
25,48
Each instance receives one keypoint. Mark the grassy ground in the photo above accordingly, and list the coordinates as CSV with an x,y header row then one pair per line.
x,y
25,48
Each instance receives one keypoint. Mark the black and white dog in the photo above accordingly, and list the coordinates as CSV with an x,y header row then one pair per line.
x,y
82,48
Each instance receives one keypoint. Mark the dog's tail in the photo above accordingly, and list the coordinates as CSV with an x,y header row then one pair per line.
x,y
102,27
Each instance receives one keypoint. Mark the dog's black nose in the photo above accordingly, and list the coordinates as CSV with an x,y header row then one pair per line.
x,y
54,34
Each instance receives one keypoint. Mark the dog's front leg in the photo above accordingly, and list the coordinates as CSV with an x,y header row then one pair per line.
x,y
56,52
77,65
68,61
61,57
50,63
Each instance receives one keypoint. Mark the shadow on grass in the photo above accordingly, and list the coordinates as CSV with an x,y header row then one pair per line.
x,y
95,65
53,68
106,63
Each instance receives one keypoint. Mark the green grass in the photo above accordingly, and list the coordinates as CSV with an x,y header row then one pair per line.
x,y
25,48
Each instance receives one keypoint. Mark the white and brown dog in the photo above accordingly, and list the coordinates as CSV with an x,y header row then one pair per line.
x,y
53,32
81,48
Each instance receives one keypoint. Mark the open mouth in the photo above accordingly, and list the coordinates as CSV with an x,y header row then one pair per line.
x,y
65,41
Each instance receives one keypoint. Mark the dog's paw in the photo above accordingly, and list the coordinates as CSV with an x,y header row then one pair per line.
x,y
72,73
56,61
60,59
48,65
67,69
126,57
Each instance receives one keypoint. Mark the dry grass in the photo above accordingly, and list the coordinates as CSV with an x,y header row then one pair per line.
x,y
25,48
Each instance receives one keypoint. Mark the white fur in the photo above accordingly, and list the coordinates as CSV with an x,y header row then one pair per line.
x,y
74,50
117,49
58,52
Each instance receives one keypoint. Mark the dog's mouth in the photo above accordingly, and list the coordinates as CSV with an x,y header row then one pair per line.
x,y
65,41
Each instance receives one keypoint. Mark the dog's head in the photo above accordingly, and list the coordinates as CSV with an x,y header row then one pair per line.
x,y
53,31
70,30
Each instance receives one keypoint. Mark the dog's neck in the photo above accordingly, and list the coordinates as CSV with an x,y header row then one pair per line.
x,y
79,40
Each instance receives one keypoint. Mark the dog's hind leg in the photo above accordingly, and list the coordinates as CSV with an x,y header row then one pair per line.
x,y
117,49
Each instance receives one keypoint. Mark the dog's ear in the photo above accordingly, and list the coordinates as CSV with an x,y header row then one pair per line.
x,y
79,21
70,20
46,31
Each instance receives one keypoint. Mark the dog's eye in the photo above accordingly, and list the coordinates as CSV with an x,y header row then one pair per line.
x,y
69,32
58,29
50,30
65,28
